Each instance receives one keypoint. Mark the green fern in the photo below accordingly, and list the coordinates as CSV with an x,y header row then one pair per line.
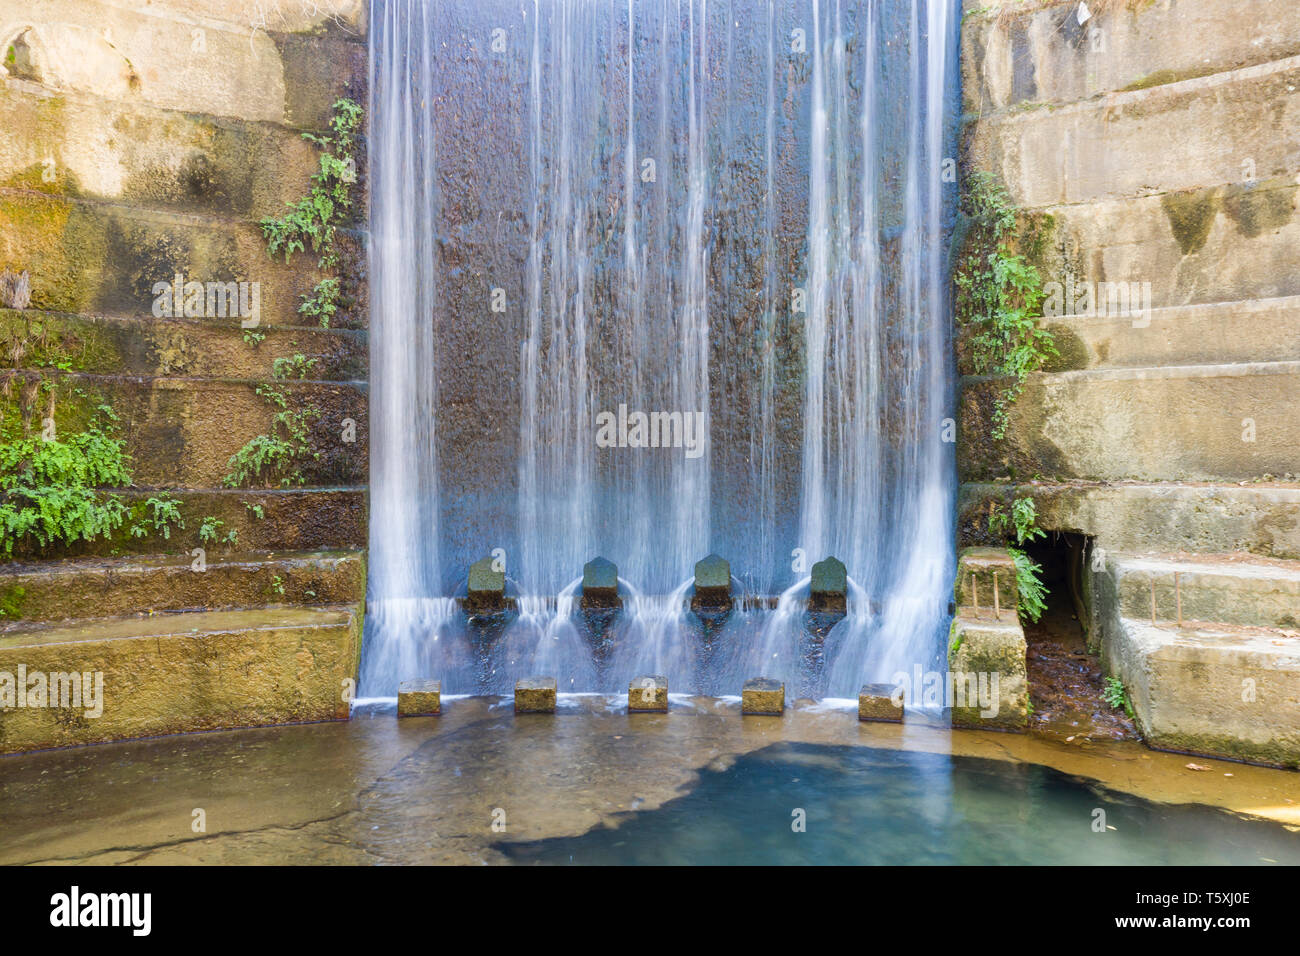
x,y
1033,594
999,297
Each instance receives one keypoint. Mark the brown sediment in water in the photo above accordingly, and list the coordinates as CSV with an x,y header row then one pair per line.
x,y
1066,682
425,790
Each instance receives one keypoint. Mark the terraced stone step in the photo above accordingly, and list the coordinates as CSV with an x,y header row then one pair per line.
x,y
207,348
89,257
1225,242
1228,588
1225,125
1180,423
106,587
1141,516
180,672
1261,330
1222,690
139,155
262,65
182,432
263,520
1042,54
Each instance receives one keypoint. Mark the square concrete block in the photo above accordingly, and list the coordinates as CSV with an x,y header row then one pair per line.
x,y
763,695
535,695
419,698
648,693
876,702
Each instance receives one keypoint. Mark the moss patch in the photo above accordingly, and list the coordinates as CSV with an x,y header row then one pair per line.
x,y
1257,208
1191,215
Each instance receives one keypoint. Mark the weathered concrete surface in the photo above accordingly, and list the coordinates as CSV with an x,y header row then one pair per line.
x,y
182,432
1180,423
535,695
1256,330
184,672
986,660
1037,52
90,257
1145,516
762,695
1229,128
982,573
875,702
197,348
99,149
1211,689
1228,588
108,587
291,520
712,583
235,62
1220,243
648,694
419,698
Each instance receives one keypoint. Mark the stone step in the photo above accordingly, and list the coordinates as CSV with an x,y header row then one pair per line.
x,y
1222,690
201,348
88,257
1221,243
101,149
1042,54
1225,588
180,672
1261,330
107,587
1118,145
263,520
182,432
258,68
1160,516
1180,423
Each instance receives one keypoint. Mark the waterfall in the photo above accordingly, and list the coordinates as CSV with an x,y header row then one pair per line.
x,y
729,213
405,612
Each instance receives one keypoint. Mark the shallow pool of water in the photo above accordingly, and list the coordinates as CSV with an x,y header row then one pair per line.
x,y
592,783
813,804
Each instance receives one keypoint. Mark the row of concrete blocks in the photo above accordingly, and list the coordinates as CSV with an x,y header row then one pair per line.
x,y
486,590
760,696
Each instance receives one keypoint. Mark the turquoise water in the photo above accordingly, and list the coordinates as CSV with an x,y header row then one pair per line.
x,y
864,806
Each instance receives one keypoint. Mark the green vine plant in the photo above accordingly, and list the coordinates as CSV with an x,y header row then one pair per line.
x,y
999,296
53,486
313,220
1021,523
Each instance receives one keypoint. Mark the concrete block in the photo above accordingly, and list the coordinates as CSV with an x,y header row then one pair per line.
x,y
535,695
763,695
419,698
649,694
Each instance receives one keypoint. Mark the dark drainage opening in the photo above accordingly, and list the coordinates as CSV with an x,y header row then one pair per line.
x,y
1065,679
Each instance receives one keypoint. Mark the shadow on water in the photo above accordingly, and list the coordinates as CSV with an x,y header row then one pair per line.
x,y
868,806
